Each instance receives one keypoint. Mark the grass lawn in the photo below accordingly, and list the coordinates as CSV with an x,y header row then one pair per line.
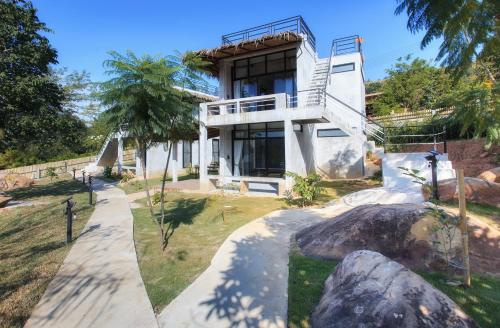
x,y
335,189
305,286
307,277
198,232
138,185
33,244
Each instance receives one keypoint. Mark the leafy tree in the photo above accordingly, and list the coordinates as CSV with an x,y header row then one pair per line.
x,y
136,98
468,29
412,85
34,126
373,86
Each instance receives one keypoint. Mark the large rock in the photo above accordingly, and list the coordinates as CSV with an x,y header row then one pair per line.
x,y
369,290
14,181
492,175
381,228
476,190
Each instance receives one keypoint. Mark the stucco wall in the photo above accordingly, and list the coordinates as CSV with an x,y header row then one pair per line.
x,y
306,64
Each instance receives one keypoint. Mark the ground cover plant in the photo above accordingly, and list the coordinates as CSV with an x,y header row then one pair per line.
x,y
33,244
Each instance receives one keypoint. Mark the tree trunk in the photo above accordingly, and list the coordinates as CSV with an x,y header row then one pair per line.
x,y
142,152
162,198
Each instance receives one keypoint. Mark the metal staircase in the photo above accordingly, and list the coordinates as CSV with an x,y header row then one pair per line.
x,y
317,84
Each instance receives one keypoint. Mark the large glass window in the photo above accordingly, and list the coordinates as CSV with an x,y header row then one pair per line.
x,y
186,154
259,150
264,75
215,151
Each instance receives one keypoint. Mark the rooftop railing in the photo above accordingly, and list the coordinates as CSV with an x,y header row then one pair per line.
x,y
346,45
294,24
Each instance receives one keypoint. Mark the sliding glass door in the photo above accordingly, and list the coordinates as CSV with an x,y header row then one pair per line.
x,y
259,150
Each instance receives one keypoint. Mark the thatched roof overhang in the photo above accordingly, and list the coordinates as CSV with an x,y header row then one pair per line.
x,y
214,55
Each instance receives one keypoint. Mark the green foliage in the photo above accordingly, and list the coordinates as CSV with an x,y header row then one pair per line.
x,y
468,30
107,172
373,86
412,85
51,173
156,199
306,188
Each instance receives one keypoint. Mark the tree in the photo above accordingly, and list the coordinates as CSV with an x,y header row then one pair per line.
x,y
468,29
34,127
412,85
137,96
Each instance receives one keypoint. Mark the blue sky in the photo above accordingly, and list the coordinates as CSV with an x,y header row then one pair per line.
x,y
85,30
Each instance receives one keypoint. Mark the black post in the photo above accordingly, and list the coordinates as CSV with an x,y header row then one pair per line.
x,y
83,176
74,173
434,178
69,218
445,146
90,190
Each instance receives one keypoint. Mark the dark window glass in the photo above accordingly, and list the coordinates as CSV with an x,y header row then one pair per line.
x,y
215,150
291,59
343,68
276,62
258,130
331,133
240,68
186,154
257,65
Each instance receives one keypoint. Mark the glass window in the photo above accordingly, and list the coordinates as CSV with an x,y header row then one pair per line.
x,y
240,68
331,133
291,59
215,150
343,68
275,130
186,154
257,65
258,130
276,62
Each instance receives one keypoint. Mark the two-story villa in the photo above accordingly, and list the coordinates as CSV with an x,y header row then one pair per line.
x,y
282,108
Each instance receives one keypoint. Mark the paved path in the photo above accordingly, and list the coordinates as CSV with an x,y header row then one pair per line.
x,y
246,283
99,284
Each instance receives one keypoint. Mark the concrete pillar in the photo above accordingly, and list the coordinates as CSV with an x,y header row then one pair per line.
x,y
203,148
174,162
288,152
120,154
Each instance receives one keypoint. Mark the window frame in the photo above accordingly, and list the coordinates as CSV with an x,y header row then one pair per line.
x,y
343,134
352,64
184,142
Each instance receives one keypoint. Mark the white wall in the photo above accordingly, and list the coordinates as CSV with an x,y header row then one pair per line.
x,y
306,63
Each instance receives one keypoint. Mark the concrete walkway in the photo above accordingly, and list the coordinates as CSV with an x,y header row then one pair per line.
x,y
99,284
246,283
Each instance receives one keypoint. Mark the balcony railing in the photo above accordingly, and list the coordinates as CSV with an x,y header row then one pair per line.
x,y
250,104
294,24
200,86
346,45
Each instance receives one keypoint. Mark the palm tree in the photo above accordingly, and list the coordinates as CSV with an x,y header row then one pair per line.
x,y
468,28
137,96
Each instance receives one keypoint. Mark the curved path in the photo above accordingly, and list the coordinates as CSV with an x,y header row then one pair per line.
x,y
99,284
246,283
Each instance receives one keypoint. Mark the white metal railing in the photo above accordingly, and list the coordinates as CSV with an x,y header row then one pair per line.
x,y
247,105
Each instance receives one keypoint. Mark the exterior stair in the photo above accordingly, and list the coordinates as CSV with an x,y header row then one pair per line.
x,y
317,83
107,155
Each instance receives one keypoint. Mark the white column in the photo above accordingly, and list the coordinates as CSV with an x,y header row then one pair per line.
x,y
174,162
203,148
120,154
288,152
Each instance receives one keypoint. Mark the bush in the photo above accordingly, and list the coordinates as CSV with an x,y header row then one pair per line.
x,y
126,177
156,200
306,189
108,172
51,173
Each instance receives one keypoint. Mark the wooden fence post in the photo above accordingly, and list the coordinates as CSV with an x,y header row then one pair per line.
x,y
463,226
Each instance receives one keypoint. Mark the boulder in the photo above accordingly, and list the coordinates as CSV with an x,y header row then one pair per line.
x,y
476,190
492,175
381,228
368,289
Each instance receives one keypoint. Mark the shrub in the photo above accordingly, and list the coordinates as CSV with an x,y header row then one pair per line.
x,y
156,200
126,177
108,172
51,173
306,188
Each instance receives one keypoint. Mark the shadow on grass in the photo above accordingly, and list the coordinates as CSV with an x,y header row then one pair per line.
x,y
58,188
180,211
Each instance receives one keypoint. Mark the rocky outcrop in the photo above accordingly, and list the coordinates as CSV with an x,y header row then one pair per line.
x,y
381,228
476,190
492,175
369,290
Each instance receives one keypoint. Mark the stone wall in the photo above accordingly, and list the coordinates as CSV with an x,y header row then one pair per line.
x,y
467,154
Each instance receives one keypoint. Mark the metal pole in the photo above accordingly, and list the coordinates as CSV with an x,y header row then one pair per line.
x,y
434,178
444,136
463,225
83,176
74,173
69,219
90,190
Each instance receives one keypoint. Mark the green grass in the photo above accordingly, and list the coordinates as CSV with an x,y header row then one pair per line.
x,y
481,301
335,189
305,286
138,185
307,276
199,230
32,244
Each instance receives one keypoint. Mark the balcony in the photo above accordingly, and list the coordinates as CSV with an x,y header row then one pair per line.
x,y
293,24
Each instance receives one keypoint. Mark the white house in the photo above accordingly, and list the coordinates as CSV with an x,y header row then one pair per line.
x,y
280,107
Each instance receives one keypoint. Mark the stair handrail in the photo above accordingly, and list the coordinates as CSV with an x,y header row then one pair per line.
x,y
104,146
